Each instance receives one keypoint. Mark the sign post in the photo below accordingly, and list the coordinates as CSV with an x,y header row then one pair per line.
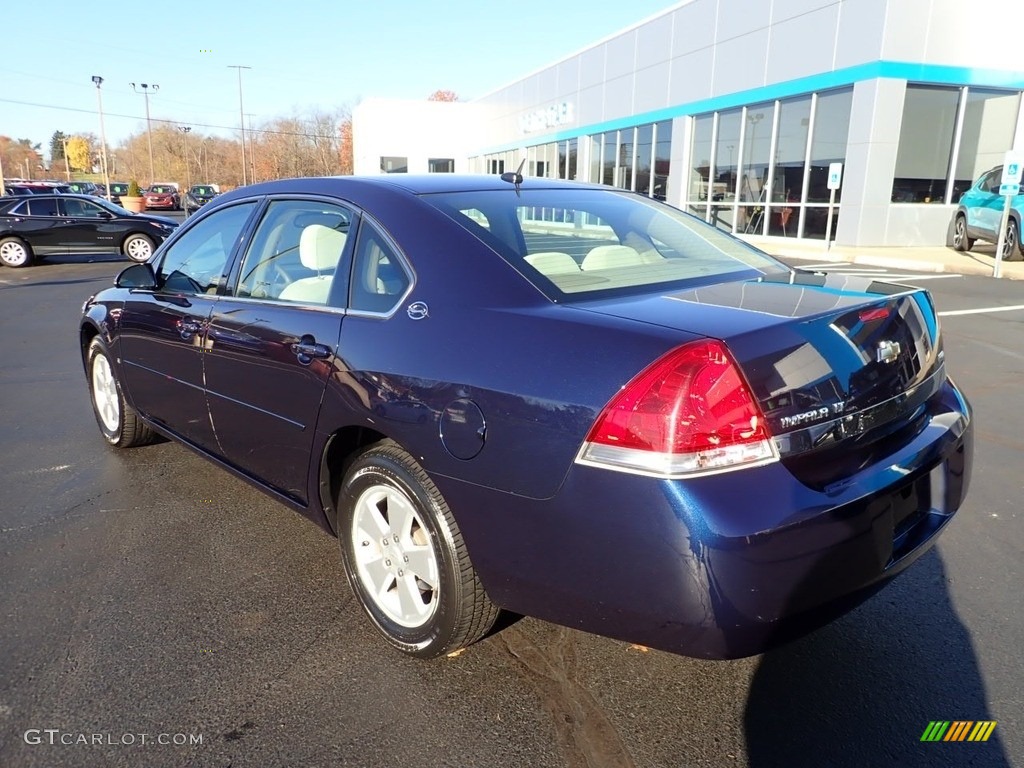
x,y
1009,187
835,178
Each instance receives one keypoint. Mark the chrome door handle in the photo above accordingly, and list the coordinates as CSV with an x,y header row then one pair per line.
x,y
306,350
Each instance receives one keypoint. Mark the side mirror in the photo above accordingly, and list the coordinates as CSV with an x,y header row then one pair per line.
x,y
106,215
140,276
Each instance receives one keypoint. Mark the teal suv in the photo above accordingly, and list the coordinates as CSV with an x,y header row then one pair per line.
x,y
979,213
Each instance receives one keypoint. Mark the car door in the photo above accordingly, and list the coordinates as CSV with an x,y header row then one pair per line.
x,y
87,226
163,331
41,225
272,342
986,205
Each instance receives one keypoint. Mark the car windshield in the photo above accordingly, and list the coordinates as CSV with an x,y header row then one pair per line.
x,y
161,190
202,190
585,243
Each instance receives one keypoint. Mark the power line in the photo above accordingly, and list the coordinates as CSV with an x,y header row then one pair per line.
x,y
267,131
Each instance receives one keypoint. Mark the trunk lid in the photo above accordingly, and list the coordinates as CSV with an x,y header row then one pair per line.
x,y
835,362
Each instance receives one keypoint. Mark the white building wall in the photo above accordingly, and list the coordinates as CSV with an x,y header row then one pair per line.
x,y
700,56
416,130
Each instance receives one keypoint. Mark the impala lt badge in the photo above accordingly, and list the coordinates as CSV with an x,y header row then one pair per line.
x,y
887,352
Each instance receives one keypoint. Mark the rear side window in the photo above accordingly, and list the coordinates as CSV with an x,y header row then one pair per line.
x,y
379,277
42,206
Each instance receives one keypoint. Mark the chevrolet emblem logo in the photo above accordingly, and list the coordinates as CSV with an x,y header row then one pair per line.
x,y
887,352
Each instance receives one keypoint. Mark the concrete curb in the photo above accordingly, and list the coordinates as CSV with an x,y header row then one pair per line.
x,y
911,259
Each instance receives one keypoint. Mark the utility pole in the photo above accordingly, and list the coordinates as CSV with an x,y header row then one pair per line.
x,y
241,114
146,87
252,152
103,138
185,129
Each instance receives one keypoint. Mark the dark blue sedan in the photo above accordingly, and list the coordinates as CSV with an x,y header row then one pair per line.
x,y
557,399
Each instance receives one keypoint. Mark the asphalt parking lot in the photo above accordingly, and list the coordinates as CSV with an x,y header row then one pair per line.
x,y
148,594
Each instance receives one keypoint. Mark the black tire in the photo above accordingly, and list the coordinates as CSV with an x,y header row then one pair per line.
x,y
15,252
961,242
1012,246
119,423
385,486
138,247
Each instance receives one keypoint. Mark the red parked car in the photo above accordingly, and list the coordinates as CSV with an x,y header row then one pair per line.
x,y
164,196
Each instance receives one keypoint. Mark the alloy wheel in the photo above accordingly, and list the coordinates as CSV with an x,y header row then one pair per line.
x,y
395,560
104,394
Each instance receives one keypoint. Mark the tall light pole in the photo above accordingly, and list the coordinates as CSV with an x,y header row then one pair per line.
x,y
241,114
146,88
185,129
64,142
103,137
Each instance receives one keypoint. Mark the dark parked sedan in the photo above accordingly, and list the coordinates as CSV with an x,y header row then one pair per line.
x,y
198,196
40,225
563,400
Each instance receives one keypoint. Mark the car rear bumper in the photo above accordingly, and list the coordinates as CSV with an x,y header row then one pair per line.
x,y
723,566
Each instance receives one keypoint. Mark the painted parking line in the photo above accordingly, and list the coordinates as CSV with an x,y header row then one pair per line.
x,y
981,311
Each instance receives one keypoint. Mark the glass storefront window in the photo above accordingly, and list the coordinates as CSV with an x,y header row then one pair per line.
x,y
753,190
608,157
831,131
595,158
394,164
926,143
989,120
624,172
791,150
727,156
644,152
662,158
441,165
700,158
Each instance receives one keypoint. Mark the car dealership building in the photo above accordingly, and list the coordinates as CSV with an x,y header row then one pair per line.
x,y
736,110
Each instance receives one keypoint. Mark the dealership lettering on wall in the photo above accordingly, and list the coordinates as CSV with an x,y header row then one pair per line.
x,y
555,115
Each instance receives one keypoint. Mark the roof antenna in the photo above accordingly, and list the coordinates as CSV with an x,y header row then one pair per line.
x,y
515,178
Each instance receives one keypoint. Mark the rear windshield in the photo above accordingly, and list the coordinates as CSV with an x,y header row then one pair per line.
x,y
582,243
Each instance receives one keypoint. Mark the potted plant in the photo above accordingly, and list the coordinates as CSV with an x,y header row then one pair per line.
x,y
133,201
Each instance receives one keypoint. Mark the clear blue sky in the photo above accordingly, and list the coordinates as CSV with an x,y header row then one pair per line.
x,y
303,54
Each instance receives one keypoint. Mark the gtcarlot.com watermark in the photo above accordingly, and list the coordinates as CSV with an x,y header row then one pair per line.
x,y
56,736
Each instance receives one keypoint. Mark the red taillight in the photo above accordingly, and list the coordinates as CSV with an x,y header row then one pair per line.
x,y
689,412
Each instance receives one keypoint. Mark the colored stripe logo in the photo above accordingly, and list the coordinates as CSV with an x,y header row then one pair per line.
x,y
958,730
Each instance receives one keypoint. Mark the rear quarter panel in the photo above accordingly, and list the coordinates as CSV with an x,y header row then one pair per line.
x,y
538,372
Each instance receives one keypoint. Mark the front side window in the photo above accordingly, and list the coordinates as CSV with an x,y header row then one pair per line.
x,y
195,261
295,252
82,209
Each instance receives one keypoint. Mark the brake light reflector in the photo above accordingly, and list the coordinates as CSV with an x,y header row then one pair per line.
x,y
690,412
